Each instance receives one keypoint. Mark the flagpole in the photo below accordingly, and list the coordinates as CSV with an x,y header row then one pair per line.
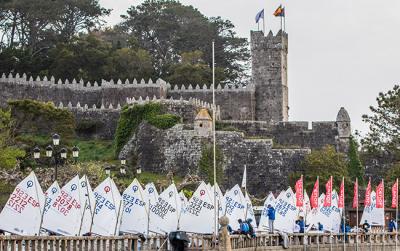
x,y
357,217
214,139
344,219
397,208
264,25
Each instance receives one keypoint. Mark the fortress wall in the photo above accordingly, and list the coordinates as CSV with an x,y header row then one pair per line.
x,y
235,103
289,134
179,150
57,91
101,122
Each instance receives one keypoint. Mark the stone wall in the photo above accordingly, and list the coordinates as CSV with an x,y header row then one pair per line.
x,y
179,150
101,122
235,103
18,87
288,134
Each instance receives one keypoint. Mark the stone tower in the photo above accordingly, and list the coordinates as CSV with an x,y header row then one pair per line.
x,y
343,125
203,123
269,73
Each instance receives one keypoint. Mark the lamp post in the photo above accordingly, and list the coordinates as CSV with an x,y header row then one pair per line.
x,y
51,152
122,168
107,169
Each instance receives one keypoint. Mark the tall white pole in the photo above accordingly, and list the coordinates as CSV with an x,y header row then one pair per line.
x,y
357,217
214,144
397,209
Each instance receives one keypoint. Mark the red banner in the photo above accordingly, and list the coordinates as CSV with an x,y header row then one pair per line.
x,y
315,195
380,195
355,197
341,195
328,193
367,201
395,194
299,192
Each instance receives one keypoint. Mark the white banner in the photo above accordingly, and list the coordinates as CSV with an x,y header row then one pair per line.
x,y
22,213
198,217
250,212
107,210
64,215
164,214
374,216
135,215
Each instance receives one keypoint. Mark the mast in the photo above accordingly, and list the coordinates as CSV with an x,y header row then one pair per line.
x,y
214,144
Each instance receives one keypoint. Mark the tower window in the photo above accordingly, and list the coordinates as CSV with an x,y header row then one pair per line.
x,y
201,125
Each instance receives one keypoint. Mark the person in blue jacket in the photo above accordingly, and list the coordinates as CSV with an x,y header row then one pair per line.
x,y
271,218
301,225
392,226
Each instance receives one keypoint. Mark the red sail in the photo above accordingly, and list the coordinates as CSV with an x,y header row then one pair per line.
x,y
315,195
380,195
299,192
341,196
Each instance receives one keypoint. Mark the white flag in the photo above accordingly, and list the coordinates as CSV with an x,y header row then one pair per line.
x,y
107,210
235,206
198,217
164,214
135,214
244,179
22,213
64,215
87,203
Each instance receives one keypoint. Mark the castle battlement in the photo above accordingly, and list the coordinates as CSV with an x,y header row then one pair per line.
x,y
80,84
208,88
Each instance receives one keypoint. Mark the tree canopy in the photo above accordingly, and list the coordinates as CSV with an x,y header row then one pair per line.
x,y
68,39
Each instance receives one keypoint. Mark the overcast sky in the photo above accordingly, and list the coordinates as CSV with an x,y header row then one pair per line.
x,y
341,52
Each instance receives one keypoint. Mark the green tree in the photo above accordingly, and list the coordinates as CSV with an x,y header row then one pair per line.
x,y
323,163
8,153
166,29
206,164
384,123
127,63
355,168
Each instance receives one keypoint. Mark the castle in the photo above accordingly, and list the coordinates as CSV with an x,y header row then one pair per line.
x,y
254,127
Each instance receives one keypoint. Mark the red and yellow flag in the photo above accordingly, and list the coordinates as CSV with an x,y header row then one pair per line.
x,y
280,11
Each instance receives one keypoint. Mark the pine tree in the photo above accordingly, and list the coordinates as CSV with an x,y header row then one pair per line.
x,y
355,168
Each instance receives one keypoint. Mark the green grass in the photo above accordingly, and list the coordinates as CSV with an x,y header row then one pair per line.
x,y
90,150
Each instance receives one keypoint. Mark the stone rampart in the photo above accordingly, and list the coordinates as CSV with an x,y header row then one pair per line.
x,y
236,103
20,87
179,150
288,134
101,122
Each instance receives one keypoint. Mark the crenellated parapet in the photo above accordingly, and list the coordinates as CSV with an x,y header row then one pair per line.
x,y
207,88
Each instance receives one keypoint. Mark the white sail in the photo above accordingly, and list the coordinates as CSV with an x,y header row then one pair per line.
x,y
235,206
107,209
198,217
313,218
51,194
64,215
151,193
286,211
184,203
329,217
220,200
164,214
305,210
263,225
22,213
250,212
134,214
88,204
374,216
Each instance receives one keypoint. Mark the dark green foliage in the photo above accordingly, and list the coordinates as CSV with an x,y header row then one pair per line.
x,y
164,121
355,168
40,118
206,164
132,116
384,124
167,29
323,163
